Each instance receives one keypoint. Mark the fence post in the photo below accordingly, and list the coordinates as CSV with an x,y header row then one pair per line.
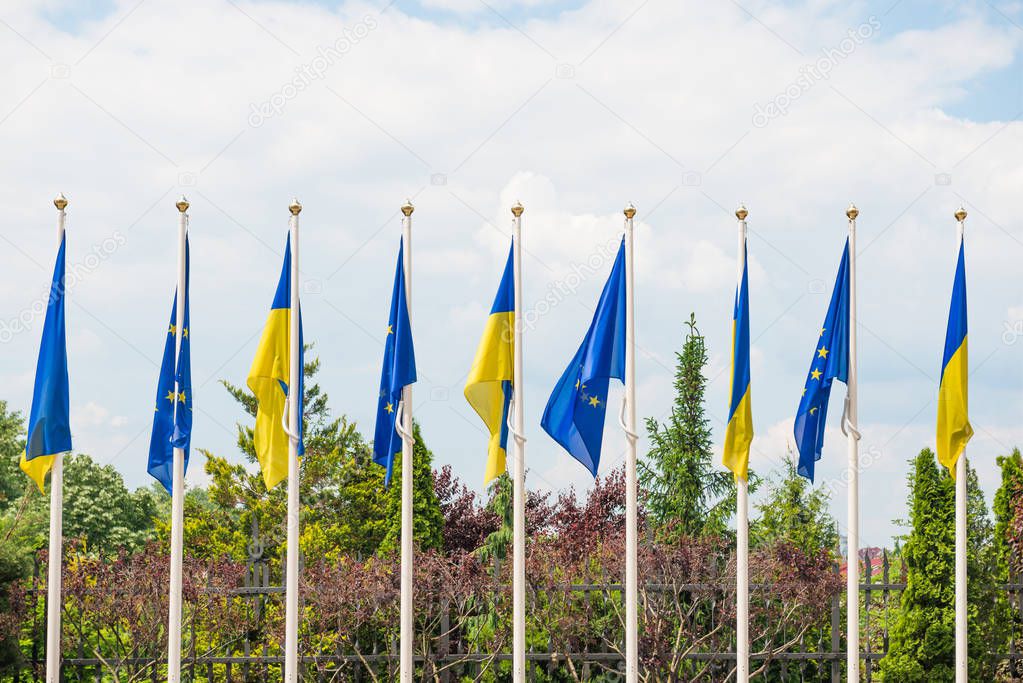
x,y
836,634
868,574
444,646
885,598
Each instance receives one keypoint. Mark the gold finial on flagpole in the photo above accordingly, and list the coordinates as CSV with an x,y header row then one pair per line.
x,y
741,212
960,214
60,201
295,208
852,212
407,208
182,204
517,209
630,211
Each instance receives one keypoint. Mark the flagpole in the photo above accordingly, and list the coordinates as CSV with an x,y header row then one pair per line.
x,y
519,469
406,667
741,515
850,426
294,428
178,484
631,504
56,554
962,653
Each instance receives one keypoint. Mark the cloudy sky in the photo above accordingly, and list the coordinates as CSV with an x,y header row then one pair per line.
x,y
908,108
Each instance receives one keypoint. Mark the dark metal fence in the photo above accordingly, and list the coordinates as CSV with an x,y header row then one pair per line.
x,y
819,658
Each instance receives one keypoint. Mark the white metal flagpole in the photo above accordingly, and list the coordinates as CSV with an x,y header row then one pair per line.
x,y
56,552
850,425
294,428
741,515
178,483
519,474
631,503
962,653
406,666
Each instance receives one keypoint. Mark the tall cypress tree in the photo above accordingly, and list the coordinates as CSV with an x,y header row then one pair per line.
x,y
686,493
922,646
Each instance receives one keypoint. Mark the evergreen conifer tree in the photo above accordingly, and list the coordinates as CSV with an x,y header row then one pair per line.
x,y
685,491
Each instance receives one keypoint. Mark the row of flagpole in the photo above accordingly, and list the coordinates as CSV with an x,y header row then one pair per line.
x,y
616,312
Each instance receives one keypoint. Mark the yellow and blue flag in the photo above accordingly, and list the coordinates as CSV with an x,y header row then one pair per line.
x,y
268,380
575,412
399,370
830,361
954,429
739,432
489,386
49,430
172,420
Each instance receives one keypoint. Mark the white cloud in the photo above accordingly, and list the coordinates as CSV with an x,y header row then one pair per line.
x,y
575,115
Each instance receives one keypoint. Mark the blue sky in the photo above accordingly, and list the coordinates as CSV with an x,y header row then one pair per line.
x,y
572,108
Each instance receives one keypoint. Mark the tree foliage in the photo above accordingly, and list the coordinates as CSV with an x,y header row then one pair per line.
x,y
795,512
923,636
685,491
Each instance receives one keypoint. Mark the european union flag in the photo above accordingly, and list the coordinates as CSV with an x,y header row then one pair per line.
x,y
172,420
830,361
49,431
574,416
398,372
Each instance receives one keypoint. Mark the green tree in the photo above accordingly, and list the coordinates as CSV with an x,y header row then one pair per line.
x,y
795,512
427,520
497,543
341,490
922,646
685,491
1007,509
13,483
100,510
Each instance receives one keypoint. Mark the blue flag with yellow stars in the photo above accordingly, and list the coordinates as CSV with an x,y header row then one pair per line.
x,y
830,361
172,420
398,372
49,430
574,416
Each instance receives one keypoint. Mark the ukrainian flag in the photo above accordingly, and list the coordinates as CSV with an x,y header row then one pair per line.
x,y
49,431
954,429
489,386
739,432
268,380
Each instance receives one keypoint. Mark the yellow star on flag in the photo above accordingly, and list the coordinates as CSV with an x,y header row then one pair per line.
x,y
822,352
816,374
594,401
389,407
